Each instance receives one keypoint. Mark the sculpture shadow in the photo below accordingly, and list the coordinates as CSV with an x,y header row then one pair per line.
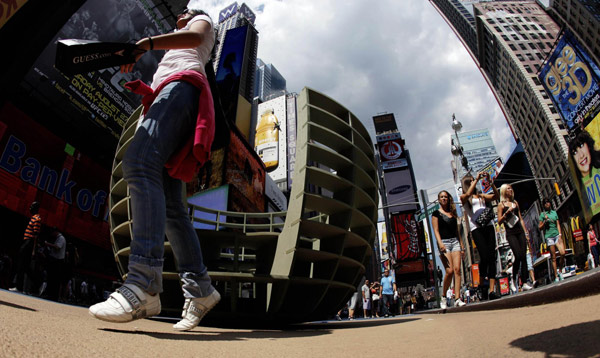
x,y
574,341
292,331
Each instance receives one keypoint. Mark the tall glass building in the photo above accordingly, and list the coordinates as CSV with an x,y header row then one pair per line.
x,y
478,147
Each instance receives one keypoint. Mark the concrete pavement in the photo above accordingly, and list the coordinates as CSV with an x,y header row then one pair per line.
x,y
31,327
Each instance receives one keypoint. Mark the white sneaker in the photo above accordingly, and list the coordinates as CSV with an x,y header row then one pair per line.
x,y
194,309
126,304
459,303
443,304
526,287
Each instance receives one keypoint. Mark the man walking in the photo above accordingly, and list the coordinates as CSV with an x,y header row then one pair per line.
x,y
386,291
55,263
366,298
27,249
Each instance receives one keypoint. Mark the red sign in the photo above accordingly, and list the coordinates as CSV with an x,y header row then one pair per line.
x,y
504,287
475,273
36,165
405,233
578,235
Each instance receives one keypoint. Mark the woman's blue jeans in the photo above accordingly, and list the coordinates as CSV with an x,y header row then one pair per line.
x,y
157,199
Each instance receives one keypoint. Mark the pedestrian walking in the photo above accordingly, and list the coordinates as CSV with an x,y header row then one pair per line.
x,y
593,245
366,299
550,224
452,251
475,204
27,251
178,112
55,262
509,214
386,292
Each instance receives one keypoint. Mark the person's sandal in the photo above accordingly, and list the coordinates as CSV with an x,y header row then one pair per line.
x,y
126,304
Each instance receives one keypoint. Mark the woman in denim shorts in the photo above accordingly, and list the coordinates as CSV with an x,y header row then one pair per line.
x,y
445,227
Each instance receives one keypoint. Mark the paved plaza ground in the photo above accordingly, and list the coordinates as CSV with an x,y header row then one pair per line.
x,y
32,327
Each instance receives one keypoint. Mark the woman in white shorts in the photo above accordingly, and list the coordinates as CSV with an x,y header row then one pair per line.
x,y
445,227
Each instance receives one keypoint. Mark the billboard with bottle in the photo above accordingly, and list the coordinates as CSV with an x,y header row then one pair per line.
x,y
271,135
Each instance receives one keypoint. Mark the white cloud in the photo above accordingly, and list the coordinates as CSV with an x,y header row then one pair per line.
x,y
382,56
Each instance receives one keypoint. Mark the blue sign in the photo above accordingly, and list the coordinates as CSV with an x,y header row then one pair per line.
x,y
227,12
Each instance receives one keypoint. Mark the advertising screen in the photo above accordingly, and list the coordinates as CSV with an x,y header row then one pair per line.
x,y
291,138
383,242
98,96
584,164
230,69
572,80
72,190
391,151
8,8
401,194
385,123
271,134
404,232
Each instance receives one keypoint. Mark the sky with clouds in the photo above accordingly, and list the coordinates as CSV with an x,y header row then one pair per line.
x,y
382,56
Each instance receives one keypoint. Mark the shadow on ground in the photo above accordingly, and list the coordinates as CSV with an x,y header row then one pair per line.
x,y
17,306
292,331
585,337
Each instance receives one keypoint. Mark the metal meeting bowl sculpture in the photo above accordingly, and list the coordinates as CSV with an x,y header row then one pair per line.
x,y
294,266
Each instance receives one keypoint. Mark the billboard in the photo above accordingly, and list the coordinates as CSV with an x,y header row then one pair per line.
x,y
8,9
572,80
391,151
584,164
291,138
385,123
401,193
98,96
230,69
383,241
71,188
271,135
404,232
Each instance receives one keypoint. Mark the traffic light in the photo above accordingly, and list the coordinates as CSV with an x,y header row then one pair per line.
x,y
557,188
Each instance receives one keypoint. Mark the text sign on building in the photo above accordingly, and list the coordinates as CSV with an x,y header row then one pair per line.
x,y
391,151
572,80
228,12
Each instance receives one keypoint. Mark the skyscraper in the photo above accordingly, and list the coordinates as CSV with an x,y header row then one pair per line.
x,y
229,18
478,148
235,64
268,81
513,39
583,18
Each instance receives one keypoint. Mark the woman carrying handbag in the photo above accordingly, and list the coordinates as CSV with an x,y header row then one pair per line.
x,y
509,214
476,204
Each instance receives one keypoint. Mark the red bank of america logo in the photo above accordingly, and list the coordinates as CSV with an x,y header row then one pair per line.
x,y
391,150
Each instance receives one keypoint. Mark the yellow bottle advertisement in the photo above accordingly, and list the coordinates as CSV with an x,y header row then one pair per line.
x,y
267,139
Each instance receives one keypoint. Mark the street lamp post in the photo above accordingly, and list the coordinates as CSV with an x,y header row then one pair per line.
x,y
457,149
458,152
